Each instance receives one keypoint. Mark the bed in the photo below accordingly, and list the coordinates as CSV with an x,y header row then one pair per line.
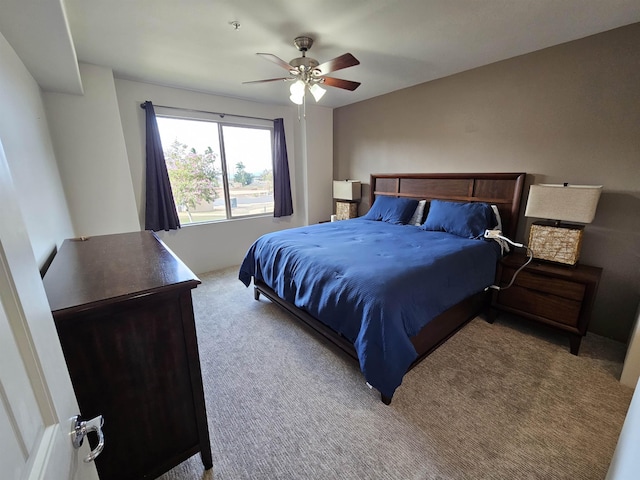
x,y
390,292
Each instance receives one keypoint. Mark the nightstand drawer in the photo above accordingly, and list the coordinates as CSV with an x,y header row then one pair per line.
x,y
542,283
552,307
555,295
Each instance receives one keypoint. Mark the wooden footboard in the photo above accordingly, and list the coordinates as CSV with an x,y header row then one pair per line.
x,y
432,335
438,330
335,338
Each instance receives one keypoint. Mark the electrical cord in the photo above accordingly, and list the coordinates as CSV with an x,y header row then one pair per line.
x,y
498,234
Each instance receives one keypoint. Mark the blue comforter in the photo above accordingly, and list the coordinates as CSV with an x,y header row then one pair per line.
x,y
375,283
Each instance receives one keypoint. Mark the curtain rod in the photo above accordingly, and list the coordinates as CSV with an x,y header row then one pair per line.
x,y
222,115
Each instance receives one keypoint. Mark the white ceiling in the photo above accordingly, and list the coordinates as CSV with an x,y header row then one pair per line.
x,y
191,44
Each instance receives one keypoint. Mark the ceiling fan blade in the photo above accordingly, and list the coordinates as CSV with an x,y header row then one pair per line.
x,y
271,57
338,63
268,80
340,83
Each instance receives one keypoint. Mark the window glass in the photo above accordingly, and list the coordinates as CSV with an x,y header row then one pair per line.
x,y
249,170
217,171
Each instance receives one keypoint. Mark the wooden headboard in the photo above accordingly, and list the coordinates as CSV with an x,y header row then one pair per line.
x,y
501,189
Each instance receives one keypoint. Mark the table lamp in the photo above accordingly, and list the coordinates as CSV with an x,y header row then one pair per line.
x,y
553,240
347,194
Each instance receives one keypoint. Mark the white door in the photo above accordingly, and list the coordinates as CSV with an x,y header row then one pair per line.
x,y
36,396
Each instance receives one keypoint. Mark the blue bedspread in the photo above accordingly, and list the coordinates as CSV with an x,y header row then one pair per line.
x,y
375,283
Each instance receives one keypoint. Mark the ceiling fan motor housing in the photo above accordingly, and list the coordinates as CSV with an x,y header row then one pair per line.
x,y
303,63
303,43
308,62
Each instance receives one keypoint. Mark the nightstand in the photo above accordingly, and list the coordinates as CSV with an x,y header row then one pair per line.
x,y
555,295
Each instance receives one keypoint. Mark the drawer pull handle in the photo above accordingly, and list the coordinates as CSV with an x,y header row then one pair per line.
x,y
82,428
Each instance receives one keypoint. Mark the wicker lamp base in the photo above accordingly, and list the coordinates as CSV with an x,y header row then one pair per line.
x,y
556,243
346,210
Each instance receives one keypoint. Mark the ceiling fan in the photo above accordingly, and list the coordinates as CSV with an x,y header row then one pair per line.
x,y
307,73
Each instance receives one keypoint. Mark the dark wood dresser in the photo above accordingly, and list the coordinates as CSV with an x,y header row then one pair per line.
x,y
123,311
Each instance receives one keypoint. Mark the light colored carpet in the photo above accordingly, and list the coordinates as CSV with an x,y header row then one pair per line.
x,y
501,401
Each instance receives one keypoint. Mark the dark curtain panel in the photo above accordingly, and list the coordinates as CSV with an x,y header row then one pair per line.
x,y
160,209
283,205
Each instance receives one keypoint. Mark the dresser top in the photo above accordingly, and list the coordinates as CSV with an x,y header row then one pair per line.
x,y
108,268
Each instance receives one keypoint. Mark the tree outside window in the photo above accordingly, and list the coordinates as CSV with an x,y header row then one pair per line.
x,y
193,176
242,176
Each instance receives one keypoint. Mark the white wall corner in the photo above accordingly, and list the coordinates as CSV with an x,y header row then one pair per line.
x,y
92,157
625,463
631,369
32,163
318,158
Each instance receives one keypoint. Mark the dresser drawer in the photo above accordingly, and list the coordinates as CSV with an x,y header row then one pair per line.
x,y
542,283
541,304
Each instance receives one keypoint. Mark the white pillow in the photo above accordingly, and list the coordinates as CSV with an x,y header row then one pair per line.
x,y
416,219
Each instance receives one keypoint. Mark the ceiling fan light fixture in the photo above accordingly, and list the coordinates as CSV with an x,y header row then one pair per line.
x,y
297,99
297,88
307,73
317,91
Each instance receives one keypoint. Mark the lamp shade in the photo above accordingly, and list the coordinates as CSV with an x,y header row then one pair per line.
x,y
346,190
569,203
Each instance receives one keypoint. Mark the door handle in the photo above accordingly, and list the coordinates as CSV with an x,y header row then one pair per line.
x,y
80,430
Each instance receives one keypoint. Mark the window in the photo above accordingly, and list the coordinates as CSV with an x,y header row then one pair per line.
x,y
218,170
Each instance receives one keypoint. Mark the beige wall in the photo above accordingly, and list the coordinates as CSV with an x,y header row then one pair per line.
x,y
570,113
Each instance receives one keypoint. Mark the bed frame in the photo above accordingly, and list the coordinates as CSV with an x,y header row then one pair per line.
x,y
501,189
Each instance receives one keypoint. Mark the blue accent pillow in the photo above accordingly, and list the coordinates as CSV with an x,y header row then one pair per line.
x,y
468,220
392,209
